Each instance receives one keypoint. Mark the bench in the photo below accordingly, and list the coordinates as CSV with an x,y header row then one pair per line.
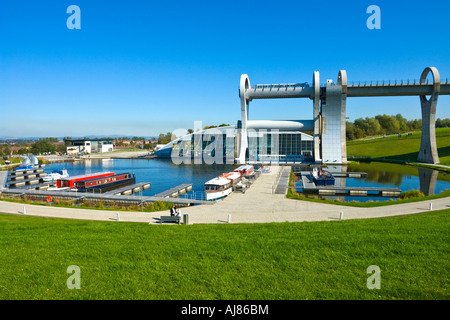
x,y
169,219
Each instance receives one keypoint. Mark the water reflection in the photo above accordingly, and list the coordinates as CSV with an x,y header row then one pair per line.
x,y
390,175
428,179
395,175
162,174
385,176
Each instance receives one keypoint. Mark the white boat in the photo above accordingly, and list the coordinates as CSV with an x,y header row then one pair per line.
x,y
55,175
246,170
218,188
222,186
234,177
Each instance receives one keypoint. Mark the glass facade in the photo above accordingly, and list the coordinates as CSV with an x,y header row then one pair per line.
x,y
218,146
263,145
272,146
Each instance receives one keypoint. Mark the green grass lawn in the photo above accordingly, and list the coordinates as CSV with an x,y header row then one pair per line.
x,y
404,148
309,260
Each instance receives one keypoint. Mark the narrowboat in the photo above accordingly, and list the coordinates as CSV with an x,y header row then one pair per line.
x,y
322,177
104,184
69,182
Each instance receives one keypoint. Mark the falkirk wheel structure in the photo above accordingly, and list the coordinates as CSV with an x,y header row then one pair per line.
x,y
328,122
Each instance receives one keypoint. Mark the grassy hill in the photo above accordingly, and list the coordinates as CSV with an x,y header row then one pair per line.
x,y
399,148
309,260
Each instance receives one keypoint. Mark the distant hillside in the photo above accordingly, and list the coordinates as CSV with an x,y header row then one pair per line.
x,y
399,148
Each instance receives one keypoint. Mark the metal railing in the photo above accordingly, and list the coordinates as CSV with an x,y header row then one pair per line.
x,y
277,179
194,195
362,83
281,86
375,83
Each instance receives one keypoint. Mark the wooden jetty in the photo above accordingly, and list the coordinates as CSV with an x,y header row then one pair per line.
x,y
23,182
175,191
24,177
298,171
25,171
27,176
36,186
307,181
134,188
308,185
85,196
349,174
43,186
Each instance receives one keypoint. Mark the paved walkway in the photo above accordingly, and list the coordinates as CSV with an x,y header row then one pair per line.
x,y
258,205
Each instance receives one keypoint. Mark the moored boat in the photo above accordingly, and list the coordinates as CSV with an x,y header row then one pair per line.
x,y
217,188
103,184
69,182
246,170
222,185
234,177
322,177
55,175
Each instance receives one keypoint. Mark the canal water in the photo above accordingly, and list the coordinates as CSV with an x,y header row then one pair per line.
x,y
163,175
389,175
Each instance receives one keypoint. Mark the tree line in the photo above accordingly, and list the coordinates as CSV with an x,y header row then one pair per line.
x,y
385,125
360,128
41,146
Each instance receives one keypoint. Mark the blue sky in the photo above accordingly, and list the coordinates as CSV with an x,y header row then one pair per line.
x,y
146,67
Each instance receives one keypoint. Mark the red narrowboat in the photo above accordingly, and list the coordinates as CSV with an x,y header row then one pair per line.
x,y
105,183
69,182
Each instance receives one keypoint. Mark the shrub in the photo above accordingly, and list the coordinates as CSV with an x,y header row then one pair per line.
x,y
411,194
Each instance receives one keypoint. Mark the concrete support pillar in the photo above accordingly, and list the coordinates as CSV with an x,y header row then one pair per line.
x,y
342,81
333,117
316,115
243,139
428,149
